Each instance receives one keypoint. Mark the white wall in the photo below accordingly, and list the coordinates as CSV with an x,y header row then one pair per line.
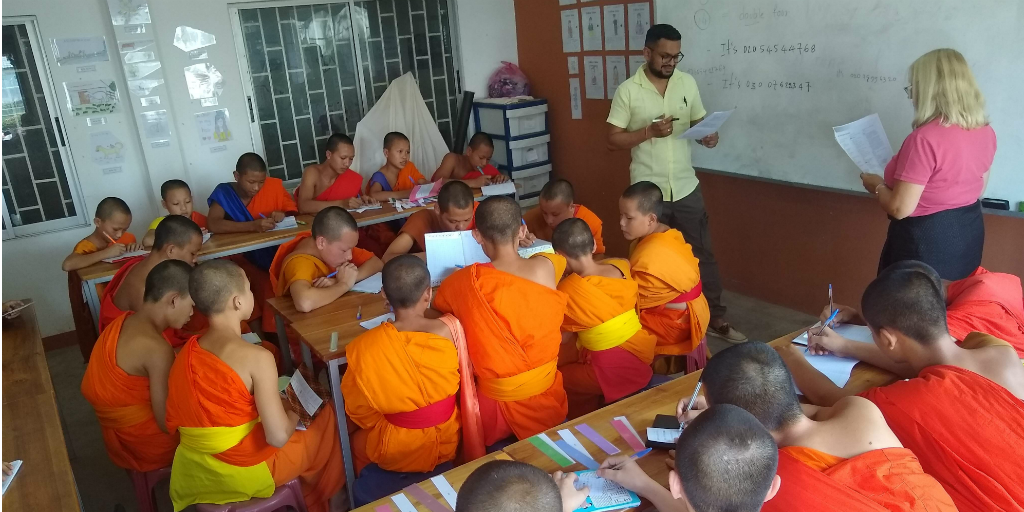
x,y
31,266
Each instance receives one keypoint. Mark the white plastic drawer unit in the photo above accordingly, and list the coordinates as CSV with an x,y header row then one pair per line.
x,y
512,121
531,180
516,154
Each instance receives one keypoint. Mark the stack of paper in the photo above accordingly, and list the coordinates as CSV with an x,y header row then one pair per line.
x,y
852,332
864,140
371,284
363,208
125,256
501,189
286,223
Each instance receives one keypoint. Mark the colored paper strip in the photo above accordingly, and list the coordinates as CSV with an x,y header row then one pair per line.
x,y
383,508
403,503
544,437
596,438
631,439
425,498
446,490
574,453
551,452
566,434
628,425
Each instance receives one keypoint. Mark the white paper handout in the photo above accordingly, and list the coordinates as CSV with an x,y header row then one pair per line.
x,y
574,65
709,125
376,321
286,223
593,74
836,368
851,332
537,246
662,435
372,284
500,189
614,27
125,256
206,236
450,251
15,467
570,31
307,397
639,21
575,98
605,494
864,140
590,22
424,191
616,73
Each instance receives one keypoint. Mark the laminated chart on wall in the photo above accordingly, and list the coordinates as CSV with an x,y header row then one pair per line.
x,y
575,99
614,27
590,22
616,73
213,127
574,65
155,125
188,39
203,81
138,51
76,51
91,97
107,149
639,20
571,31
129,12
593,75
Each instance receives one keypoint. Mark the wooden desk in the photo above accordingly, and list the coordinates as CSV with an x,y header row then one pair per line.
x,y
456,477
641,409
32,428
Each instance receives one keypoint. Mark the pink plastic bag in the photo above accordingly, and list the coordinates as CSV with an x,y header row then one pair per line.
x,y
508,81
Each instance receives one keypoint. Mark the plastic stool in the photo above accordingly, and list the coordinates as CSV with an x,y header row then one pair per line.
x,y
144,484
288,495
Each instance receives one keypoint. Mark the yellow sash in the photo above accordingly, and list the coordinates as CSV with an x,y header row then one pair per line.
x,y
522,386
611,333
123,417
199,477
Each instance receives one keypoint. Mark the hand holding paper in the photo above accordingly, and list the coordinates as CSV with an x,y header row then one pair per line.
x,y
709,125
864,140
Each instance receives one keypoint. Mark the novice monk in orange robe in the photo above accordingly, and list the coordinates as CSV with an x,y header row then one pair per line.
x,y
177,238
126,380
474,166
842,458
238,436
615,353
302,266
398,176
556,204
512,313
400,388
672,305
110,238
252,203
453,211
963,414
176,198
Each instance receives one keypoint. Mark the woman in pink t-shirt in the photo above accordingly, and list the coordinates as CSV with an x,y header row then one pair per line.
x,y
931,188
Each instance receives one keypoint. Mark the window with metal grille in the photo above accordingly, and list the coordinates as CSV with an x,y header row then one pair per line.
x,y
36,166
317,69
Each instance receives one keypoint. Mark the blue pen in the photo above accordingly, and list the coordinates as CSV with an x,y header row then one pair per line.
x,y
412,180
640,453
332,274
263,216
831,305
830,318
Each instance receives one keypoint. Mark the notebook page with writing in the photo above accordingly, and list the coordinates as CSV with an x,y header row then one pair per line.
x,y
444,255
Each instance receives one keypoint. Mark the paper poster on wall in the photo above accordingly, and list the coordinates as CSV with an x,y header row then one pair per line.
x,y
144,87
574,65
138,51
90,97
188,39
129,12
590,22
639,21
616,73
75,51
213,127
570,31
155,125
137,70
203,80
149,101
593,75
107,149
635,62
614,27
575,101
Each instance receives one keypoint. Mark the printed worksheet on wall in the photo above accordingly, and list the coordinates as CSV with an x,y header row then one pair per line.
x,y
571,31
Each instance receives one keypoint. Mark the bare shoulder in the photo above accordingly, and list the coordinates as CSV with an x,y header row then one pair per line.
x,y
311,171
542,271
855,410
441,329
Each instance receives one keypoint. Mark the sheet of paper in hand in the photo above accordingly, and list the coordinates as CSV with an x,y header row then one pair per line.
x,y
604,494
305,395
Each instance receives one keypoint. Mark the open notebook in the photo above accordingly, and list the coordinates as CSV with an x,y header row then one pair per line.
x,y
450,251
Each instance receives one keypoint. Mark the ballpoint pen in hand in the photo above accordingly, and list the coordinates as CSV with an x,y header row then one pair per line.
x,y
689,405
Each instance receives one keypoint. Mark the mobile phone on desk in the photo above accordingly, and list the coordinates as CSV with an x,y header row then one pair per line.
x,y
663,433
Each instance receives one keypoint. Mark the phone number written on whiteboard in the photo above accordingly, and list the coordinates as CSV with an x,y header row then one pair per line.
x,y
728,48
775,85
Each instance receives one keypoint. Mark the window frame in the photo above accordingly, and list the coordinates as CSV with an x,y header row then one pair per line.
x,y
81,218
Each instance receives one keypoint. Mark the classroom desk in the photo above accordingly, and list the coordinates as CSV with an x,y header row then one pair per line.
x,y
641,409
456,477
32,426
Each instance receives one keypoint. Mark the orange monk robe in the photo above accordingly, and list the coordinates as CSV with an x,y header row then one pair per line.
x,y
288,268
665,268
889,479
374,238
205,392
123,407
408,178
535,223
967,431
611,373
392,372
988,302
109,311
85,329
427,221
512,328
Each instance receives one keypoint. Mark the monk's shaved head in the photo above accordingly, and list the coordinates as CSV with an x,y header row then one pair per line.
x,y
726,461
250,162
922,267
394,137
177,231
481,139
455,194
753,376
172,185
337,139
168,276
573,238
558,190
509,486
213,282
405,279
647,196
498,219
111,205
906,300
332,222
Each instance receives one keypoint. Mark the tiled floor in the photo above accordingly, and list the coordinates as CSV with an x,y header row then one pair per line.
x,y
103,485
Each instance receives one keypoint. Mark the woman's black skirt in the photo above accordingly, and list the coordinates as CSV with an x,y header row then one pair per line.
x,y
950,241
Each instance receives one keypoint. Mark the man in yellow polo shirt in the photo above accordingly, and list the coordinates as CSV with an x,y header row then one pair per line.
x,y
647,111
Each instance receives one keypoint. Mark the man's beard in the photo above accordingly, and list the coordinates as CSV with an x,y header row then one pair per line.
x,y
658,73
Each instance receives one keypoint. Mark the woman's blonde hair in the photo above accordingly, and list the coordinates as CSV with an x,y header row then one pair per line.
x,y
944,88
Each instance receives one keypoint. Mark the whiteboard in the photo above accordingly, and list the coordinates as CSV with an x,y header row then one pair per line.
x,y
842,61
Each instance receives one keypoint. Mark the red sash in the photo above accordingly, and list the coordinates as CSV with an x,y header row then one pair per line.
x,y
690,295
424,417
